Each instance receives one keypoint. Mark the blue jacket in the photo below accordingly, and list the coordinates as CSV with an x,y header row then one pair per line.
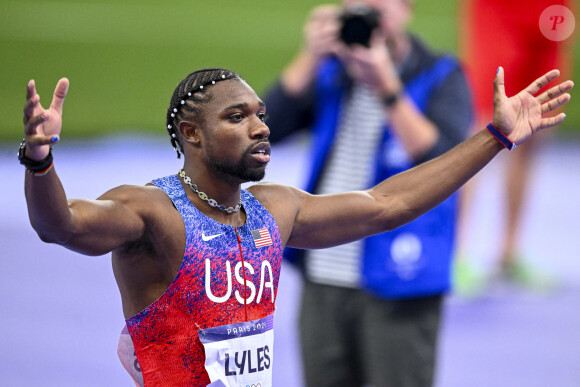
x,y
413,260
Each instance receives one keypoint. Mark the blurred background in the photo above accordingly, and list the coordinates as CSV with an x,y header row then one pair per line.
x,y
124,58
60,313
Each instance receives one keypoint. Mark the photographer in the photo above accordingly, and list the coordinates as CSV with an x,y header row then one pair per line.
x,y
371,309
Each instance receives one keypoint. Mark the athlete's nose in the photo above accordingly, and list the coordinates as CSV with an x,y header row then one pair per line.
x,y
260,130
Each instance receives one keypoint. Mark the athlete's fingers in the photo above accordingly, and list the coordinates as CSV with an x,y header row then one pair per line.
x,y
498,86
29,107
59,95
38,140
555,91
555,103
30,89
542,81
32,123
548,122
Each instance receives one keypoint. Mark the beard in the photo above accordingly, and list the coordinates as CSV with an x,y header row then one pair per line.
x,y
239,170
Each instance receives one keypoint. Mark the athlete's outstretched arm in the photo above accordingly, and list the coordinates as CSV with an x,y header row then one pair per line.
x,y
91,227
323,221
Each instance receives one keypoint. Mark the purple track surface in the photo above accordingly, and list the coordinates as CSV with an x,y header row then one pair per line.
x,y
60,312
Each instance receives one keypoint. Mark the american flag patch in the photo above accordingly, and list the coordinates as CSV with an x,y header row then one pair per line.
x,y
262,237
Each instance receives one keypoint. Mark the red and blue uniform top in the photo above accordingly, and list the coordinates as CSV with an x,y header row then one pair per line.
x,y
227,275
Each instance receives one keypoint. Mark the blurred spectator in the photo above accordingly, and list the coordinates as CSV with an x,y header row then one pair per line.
x,y
525,53
371,309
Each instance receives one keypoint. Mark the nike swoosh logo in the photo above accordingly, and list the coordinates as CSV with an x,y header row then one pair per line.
x,y
210,237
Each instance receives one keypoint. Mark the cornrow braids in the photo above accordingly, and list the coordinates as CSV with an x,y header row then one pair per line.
x,y
188,97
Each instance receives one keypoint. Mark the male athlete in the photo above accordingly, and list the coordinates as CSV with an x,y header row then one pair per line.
x,y
197,258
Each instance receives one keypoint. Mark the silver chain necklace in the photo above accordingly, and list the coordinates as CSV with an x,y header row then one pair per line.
x,y
203,196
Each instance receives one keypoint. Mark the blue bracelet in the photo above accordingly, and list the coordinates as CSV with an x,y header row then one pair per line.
x,y
499,136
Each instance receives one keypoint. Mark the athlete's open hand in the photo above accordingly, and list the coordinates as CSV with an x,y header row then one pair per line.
x,y
522,115
42,126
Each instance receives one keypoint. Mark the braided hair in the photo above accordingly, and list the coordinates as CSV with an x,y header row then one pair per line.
x,y
189,96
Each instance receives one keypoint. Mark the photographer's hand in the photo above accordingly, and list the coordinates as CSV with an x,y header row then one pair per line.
x,y
320,40
373,66
321,31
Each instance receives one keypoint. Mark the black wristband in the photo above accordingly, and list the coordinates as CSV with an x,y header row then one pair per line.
x,y
391,99
34,166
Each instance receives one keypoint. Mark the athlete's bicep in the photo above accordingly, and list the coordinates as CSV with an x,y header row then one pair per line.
x,y
329,220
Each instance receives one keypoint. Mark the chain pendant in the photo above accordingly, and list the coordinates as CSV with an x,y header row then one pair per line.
x,y
203,196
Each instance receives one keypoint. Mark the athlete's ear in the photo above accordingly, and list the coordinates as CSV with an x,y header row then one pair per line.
x,y
190,132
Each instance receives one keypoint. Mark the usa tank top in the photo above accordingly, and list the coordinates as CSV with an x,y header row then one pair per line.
x,y
228,275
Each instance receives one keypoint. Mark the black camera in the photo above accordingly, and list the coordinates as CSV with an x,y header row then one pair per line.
x,y
358,23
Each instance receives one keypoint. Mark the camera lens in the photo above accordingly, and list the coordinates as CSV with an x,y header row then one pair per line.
x,y
358,23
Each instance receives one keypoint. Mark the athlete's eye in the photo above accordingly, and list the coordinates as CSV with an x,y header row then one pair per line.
x,y
237,117
263,117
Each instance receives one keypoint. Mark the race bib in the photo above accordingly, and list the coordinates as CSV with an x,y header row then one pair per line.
x,y
240,354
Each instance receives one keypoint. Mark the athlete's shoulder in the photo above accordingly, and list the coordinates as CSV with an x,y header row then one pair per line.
x,y
155,210
268,193
143,199
282,201
133,193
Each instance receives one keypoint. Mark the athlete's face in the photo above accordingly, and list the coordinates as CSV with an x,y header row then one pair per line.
x,y
235,137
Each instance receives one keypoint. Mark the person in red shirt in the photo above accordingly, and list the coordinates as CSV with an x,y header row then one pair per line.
x,y
507,33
